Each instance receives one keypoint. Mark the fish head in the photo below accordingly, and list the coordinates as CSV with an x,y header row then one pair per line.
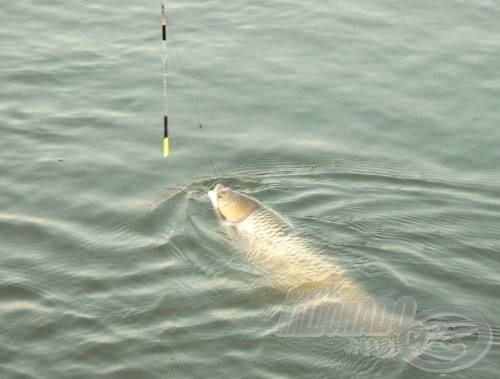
x,y
232,206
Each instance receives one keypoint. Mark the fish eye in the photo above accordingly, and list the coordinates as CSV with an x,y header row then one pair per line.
x,y
221,194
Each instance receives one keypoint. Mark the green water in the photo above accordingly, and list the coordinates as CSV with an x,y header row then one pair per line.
x,y
372,125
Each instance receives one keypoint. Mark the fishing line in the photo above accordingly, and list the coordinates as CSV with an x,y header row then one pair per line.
x,y
193,104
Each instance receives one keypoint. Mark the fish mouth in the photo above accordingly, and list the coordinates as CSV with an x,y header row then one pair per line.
x,y
212,195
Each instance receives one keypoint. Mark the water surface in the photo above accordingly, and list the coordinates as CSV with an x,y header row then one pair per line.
x,y
372,125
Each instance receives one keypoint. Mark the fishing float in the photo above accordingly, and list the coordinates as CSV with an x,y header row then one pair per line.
x,y
164,24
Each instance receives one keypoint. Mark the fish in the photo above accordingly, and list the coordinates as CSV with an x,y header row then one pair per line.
x,y
295,263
